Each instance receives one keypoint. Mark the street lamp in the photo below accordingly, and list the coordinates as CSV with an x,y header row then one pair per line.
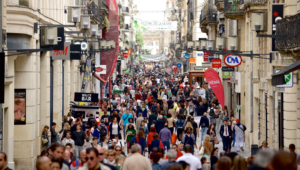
x,y
85,22
48,36
94,29
203,44
74,14
103,44
259,21
210,44
190,44
196,45
220,43
232,43
99,33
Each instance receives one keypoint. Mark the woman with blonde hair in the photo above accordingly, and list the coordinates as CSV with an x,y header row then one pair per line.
x,y
110,157
120,161
208,146
66,128
239,163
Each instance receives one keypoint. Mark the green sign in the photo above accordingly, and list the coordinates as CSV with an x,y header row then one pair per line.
x,y
288,80
226,74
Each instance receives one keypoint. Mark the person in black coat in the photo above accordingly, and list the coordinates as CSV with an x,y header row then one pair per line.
x,y
160,123
226,133
214,158
201,109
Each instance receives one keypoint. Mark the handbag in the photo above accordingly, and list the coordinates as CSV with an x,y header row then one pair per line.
x,y
44,140
174,138
192,93
161,145
201,152
216,140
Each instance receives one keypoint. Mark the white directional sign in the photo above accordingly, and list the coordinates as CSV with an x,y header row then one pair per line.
x,y
288,80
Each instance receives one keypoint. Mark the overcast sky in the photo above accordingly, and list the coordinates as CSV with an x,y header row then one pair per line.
x,y
151,5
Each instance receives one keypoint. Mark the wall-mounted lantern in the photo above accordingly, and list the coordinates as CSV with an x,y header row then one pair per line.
x,y
190,44
232,43
48,36
259,21
196,45
203,44
99,33
178,46
210,44
94,29
103,45
220,43
85,22
74,14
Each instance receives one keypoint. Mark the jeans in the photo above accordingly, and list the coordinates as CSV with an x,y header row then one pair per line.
x,y
233,139
124,126
203,132
179,133
239,142
166,143
78,149
48,145
213,143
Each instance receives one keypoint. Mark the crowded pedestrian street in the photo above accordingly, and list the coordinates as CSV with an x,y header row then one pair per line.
x,y
149,85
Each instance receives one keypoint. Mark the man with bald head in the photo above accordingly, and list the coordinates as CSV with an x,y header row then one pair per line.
x,y
66,156
101,158
43,163
79,163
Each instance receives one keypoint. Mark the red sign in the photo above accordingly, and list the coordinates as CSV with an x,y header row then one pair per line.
x,y
232,61
215,83
175,70
99,69
206,54
125,55
216,63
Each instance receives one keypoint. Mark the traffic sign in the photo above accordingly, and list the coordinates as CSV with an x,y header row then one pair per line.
x,y
232,61
178,65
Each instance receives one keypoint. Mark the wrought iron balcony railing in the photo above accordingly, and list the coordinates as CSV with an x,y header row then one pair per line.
x,y
212,16
203,13
288,26
232,8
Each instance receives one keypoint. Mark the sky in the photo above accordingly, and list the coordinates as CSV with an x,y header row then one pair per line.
x,y
151,5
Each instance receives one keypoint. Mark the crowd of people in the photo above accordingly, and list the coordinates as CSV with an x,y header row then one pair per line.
x,y
154,127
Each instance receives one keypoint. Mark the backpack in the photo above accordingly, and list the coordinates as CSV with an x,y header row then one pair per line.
x,y
211,112
103,131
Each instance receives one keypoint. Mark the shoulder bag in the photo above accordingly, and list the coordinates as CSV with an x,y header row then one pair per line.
x,y
201,152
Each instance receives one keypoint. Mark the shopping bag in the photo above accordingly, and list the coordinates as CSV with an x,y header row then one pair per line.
x,y
174,138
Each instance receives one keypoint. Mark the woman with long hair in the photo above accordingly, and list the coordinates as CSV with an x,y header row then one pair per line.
x,y
214,157
179,126
208,146
150,136
66,128
239,163
225,114
109,106
189,139
205,103
130,133
199,100
183,110
212,134
171,123
110,157
114,128
204,163
45,136
140,139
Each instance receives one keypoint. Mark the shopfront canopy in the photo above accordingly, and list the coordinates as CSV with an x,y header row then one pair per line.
x,y
278,78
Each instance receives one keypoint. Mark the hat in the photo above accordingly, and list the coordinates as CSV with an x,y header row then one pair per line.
x,y
237,120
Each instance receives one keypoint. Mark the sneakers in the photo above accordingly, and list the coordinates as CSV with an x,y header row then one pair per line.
x,y
242,149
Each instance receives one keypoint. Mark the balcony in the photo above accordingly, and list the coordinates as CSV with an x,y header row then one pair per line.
x,y
288,26
203,19
233,9
212,16
254,5
220,5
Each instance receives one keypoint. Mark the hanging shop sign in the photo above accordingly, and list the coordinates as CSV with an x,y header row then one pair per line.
x,y
277,13
199,58
187,56
232,61
85,97
192,61
226,75
206,54
20,107
155,25
179,65
216,63
175,69
87,74
70,52
210,57
100,69
288,78
227,68
215,83
83,46
125,55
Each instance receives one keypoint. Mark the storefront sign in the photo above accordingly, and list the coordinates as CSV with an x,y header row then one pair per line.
x,y
187,56
100,69
232,61
20,107
210,57
179,65
288,80
216,63
192,61
227,68
226,75
198,68
87,74
214,81
85,97
206,54
199,58
125,55
156,25
70,51
197,73
277,13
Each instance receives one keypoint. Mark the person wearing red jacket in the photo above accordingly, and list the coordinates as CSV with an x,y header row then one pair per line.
x,y
79,163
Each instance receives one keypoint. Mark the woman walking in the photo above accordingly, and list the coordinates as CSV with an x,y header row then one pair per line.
x,y
189,139
208,146
212,134
171,123
179,126
114,128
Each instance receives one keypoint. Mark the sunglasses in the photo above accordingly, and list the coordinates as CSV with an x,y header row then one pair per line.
x,y
118,149
89,158
110,155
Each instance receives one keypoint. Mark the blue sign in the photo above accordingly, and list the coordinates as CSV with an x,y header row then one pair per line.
x,y
178,65
187,56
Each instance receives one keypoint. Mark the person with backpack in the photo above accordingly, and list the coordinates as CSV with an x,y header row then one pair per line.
x,y
204,123
239,130
103,131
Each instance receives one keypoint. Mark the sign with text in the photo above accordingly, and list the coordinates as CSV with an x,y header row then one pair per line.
x,y
277,13
20,107
214,81
192,61
85,97
70,51
156,25
216,63
100,69
227,68
232,61
288,80
226,75
206,54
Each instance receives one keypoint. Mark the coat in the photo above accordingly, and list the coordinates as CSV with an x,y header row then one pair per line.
x,y
136,162
102,167
159,125
222,130
201,110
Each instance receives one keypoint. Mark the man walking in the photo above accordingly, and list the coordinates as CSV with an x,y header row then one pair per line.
x,y
138,121
165,136
225,133
172,154
189,158
239,130
160,123
136,161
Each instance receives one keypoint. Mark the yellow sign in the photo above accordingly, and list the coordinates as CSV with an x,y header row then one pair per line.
x,y
81,103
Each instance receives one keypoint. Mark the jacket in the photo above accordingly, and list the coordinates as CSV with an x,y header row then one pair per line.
x,y
53,135
159,125
144,113
102,167
110,129
239,129
222,130
201,110
204,120
71,141
136,162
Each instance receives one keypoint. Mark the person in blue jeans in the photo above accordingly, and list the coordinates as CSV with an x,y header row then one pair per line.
x,y
124,120
204,123
165,136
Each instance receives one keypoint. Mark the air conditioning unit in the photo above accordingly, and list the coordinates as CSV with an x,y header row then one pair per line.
x,y
85,22
48,36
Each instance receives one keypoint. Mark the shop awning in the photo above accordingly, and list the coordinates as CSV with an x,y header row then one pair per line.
x,y
278,78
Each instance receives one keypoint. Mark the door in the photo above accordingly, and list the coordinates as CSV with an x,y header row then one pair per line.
x,y
280,121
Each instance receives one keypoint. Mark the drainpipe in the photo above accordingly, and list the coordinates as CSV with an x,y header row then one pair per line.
x,y
63,87
51,91
251,95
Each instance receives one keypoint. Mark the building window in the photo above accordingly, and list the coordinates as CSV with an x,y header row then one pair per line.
x,y
24,3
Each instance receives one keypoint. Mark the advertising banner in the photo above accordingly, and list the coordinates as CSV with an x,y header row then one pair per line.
x,y
156,25
87,74
100,69
192,61
215,83
206,54
216,63
20,107
85,97
226,75
199,58
277,12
